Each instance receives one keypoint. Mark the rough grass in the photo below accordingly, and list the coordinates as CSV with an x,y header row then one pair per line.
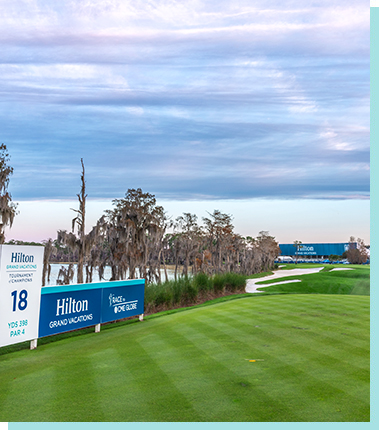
x,y
311,352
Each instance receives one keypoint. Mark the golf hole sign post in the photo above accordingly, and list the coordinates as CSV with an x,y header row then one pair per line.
x,y
20,292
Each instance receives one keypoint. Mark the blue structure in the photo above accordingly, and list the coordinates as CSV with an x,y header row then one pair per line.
x,y
314,250
70,307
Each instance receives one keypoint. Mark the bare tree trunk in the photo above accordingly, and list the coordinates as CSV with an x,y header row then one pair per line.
x,y
46,266
82,234
89,271
159,266
114,273
176,264
80,220
132,266
164,266
186,263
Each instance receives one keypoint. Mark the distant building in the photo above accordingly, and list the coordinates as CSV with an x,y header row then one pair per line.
x,y
314,250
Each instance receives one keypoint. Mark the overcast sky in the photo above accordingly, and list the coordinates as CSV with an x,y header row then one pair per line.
x,y
251,107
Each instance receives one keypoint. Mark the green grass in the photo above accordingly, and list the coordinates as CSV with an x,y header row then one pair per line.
x,y
194,366
356,281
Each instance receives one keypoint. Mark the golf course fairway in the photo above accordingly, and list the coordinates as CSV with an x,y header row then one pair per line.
x,y
293,357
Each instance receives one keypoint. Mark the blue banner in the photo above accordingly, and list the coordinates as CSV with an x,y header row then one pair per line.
x,y
68,310
70,307
123,301
314,249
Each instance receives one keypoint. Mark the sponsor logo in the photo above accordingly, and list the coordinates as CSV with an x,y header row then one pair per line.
x,y
19,257
72,320
307,248
71,306
119,304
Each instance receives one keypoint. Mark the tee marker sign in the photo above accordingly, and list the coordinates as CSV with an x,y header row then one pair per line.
x,y
20,292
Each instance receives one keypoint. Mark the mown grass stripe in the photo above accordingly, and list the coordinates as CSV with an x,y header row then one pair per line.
x,y
305,376
332,340
301,343
72,385
333,336
152,387
232,394
307,351
182,367
319,389
20,390
288,318
113,374
290,383
312,368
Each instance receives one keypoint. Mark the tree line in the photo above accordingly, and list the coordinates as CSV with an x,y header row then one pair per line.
x,y
137,239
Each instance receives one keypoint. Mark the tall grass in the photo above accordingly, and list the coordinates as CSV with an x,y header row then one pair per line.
x,y
189,290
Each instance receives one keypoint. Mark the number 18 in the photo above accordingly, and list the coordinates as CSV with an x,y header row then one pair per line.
x,y
22,302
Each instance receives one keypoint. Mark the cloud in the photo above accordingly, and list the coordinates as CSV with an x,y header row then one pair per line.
x,y
186,99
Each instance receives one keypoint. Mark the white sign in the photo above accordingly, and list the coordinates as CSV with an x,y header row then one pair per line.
x,y
20,292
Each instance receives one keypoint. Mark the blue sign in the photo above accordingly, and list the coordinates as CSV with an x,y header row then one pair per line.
x,y
70,307
122,300
315,249
67,308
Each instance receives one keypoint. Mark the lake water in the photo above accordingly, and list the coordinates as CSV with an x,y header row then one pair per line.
x,y
55,267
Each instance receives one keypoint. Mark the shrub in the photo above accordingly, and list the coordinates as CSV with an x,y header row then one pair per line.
x,y
202,282
234,281
185,290
163,297
218,283
176,292
157,295
189,290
